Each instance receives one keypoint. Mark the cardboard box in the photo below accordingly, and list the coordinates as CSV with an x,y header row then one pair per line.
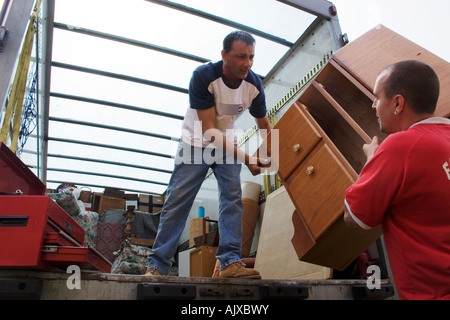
x,y
131,196
110,203
150,203
196,229
96,201
202,261
86,196
114,192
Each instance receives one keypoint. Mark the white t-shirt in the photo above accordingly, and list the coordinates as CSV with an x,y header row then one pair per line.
x,y
207,89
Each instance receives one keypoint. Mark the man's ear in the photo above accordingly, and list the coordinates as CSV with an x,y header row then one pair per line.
x,y
224,54
399,102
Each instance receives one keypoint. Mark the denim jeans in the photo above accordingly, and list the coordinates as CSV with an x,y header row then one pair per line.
x,y
186,180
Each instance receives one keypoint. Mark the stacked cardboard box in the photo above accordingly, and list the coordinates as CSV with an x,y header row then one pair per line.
x,y
114,192
110,199
86,196
150,203
113,198
202,261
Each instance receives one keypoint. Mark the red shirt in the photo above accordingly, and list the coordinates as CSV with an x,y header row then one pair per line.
x,y
405,187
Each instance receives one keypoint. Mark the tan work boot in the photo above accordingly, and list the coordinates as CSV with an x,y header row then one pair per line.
x,y
238,270
153,272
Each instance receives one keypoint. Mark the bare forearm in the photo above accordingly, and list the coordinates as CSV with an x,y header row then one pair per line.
x,y
264,126
220,141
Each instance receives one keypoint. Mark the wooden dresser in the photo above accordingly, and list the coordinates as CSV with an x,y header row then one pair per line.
x,y
321,137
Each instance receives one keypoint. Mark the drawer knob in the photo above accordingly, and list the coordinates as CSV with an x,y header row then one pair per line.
x,y
310,170
296,147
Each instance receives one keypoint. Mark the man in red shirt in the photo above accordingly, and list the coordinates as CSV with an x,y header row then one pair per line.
x,y
405,184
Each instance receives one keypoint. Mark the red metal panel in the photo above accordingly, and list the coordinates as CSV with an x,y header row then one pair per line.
x,y
62,219
21,243
84,257
15,175
42,207
54,236
23,221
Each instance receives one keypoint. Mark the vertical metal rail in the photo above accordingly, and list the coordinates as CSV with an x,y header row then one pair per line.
x,y
46,25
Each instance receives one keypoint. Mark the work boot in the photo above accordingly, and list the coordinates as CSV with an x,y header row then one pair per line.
x,y
216,269
153,272
238,270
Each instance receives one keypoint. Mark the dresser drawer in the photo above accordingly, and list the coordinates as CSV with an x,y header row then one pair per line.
x,y
297,138
317,188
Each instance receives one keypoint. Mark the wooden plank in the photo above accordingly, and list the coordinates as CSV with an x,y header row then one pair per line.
x,y
357,84
342,112
142,241
355,99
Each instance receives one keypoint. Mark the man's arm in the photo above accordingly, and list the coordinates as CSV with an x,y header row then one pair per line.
x,y
349,220
369,150
263,124
211,133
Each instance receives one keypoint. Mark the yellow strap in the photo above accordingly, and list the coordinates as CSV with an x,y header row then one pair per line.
x,y
15,102
22,83
267,186
278,183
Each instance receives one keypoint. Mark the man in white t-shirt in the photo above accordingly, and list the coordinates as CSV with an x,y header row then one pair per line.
x,y
218,93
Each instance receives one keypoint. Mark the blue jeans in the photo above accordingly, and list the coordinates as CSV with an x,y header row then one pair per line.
x,y
186,180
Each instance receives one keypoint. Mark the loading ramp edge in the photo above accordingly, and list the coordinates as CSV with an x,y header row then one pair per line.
x,y
103,286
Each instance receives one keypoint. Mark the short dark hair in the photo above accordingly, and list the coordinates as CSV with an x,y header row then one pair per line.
x,y
237,35
417,82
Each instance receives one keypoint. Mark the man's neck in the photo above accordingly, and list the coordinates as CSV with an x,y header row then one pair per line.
x,y
232,82
416,119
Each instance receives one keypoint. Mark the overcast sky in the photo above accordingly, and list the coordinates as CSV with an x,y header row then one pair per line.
x,y
424,22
